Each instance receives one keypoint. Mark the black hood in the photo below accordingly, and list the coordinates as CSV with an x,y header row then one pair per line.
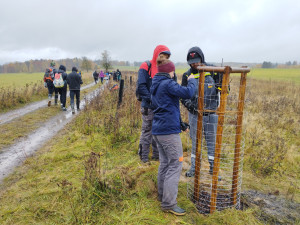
x,y
199,54
62,67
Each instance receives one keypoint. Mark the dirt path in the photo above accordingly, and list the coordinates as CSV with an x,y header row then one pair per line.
x,y
6,117
15,154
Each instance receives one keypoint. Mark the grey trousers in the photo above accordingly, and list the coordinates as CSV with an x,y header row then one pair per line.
x,y
210,123
146,135
170,157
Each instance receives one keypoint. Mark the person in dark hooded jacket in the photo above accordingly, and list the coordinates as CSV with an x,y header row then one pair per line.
x,y
74,81
165,94
145,76
195,58
63,90
96,76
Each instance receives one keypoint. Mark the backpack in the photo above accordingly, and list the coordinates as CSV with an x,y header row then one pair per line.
x,y
58,81
138,97
48,76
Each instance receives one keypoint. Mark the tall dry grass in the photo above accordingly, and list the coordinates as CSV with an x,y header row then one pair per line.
x,y
11,97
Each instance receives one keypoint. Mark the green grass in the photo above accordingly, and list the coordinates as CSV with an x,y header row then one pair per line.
x,y
22,126
286,75
93,175
19,79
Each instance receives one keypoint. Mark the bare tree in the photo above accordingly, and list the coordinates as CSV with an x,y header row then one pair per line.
x,y
106,61
86,64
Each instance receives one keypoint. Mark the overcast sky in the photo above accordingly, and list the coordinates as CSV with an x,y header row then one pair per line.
x,y
237,31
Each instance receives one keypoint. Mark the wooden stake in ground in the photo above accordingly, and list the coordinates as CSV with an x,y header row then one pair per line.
x,y
199,135
221,114
239,123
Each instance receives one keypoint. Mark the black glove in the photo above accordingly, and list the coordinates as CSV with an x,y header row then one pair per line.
x,y
145,111
184,126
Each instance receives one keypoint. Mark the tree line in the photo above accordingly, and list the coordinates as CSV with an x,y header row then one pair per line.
x,y
36,66
288,64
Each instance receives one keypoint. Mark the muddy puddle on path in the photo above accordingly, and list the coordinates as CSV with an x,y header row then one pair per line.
x,y
6,117
15,154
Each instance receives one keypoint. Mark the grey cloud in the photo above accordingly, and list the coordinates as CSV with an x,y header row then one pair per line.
x,y
244,31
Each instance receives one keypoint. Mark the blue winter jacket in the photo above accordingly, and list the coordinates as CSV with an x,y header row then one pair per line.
x,y
165,94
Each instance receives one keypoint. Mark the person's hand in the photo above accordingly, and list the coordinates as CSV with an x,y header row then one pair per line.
x,y
191,76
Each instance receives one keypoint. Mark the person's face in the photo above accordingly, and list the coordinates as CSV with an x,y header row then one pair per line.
x,y
165,55
195,65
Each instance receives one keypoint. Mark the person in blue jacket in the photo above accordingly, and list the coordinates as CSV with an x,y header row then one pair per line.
x,y
165,95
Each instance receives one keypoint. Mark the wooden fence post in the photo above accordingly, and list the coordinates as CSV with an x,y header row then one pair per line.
x,y
199,135
238,137
221,114
121,92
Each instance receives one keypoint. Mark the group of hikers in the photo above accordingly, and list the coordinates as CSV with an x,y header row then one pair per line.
x,y
57,80
100,75
160,94
117,75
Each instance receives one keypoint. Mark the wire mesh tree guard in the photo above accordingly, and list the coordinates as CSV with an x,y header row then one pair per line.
x,y
220,188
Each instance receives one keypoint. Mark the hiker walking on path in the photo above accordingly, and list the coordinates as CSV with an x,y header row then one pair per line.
x,y
48,80
145,74
74,81
95,75
101,75
119,75
166,129
60,83
195,58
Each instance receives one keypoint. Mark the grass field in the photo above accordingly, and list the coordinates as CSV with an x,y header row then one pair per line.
x,y
19,79
17,89
92,173
286,75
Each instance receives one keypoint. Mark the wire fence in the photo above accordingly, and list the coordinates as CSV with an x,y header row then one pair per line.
x,y
217,142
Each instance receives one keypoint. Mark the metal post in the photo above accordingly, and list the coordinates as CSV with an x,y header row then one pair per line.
x,y
221,113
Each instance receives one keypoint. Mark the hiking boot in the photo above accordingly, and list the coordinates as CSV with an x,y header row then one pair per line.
x,y
159,198
64,109
155,158
191,172
176,211
145,161
61,106
49,103
73,111
140,151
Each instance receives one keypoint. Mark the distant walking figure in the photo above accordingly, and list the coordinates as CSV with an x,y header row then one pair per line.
x,y
95,75
101,75
74,81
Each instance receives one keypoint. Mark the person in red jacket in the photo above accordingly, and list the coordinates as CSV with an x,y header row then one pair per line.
x,y
145,74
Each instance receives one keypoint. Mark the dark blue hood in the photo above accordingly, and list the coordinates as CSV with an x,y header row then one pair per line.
x,y
156,82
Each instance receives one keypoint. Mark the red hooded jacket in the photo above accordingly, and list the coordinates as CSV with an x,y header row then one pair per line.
x,y
144,80
159,49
